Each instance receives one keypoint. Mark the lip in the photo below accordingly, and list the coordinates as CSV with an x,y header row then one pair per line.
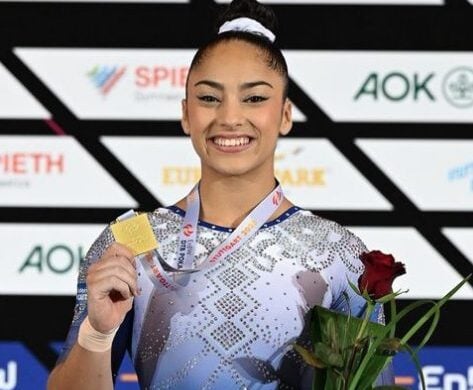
x,y
230,149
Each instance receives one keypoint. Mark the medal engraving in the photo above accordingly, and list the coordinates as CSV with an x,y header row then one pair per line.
x,y
135,233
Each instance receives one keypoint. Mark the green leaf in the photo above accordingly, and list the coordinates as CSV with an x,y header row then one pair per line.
x,y
431,330
416,363
309,357
390,297
432,311
332,333
354,385
328,355
389,346
344,325
373,369
353,287
392,306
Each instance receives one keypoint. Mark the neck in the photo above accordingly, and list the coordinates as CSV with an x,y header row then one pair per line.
x,y
226,202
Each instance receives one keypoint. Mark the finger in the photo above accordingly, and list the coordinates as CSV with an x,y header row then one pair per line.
x,y
113,261
116,249
117,269
106,286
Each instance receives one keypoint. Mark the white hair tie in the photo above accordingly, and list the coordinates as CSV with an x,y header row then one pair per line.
x,y
247,25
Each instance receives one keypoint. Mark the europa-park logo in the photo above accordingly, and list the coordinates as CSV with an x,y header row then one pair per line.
x,y
398,86
290,174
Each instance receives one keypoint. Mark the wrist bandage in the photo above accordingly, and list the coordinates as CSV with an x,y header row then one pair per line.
x,y
93,340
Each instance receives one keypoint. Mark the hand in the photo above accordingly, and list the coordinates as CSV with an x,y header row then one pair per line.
x,y
111,285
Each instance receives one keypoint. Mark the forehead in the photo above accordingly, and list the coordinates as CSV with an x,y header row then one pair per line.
x,y
235,61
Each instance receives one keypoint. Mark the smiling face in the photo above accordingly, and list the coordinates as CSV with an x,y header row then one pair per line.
x,y
235,111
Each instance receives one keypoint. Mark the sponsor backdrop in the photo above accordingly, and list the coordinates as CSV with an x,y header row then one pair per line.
x,y
89,127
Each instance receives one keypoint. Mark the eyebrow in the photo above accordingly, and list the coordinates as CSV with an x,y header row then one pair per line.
x,y
219,86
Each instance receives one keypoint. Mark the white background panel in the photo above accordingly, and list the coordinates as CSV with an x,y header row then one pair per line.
x,y
54,171
398,86
435,174
462,238
428,275
313,173
16,101
114,83
43,259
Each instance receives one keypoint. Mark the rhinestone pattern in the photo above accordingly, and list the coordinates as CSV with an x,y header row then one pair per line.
x,y
234,324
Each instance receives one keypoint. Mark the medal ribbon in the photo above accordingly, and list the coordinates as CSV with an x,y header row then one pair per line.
x,y
158,270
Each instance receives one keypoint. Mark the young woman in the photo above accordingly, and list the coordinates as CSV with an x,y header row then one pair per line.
x,y
221,301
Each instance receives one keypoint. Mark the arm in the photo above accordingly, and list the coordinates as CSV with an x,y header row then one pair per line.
x,y
83,369
111,286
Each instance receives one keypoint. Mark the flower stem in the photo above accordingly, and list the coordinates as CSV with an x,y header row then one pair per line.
x,y
357,343
366,319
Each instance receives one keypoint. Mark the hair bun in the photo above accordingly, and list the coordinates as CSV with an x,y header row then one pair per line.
x,y
249,9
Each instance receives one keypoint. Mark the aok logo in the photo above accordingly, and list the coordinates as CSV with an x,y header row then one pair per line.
x,y
58,259
437,379
396,86
23,163
8,376
458,87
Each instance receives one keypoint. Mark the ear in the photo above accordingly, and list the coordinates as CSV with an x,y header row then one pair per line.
x,y
185,117
286,122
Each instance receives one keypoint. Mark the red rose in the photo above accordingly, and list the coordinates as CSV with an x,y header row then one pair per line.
x,y
379,274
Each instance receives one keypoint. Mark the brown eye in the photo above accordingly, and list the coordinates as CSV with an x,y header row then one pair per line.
x,y
255,99
208,99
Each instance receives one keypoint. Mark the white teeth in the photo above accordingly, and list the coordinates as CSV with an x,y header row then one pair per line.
x,y
231,141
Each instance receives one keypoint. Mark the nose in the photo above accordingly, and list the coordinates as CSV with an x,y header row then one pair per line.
x,y
230,113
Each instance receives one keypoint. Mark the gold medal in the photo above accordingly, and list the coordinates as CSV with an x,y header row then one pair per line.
x,y
136,233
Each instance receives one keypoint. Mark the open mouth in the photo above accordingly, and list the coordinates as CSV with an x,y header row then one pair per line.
x,y
231,144
227,142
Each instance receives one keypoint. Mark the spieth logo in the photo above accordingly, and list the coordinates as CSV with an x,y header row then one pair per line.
x,y
31,163
188,230
462,172
8,376
105,77
155,76
458,87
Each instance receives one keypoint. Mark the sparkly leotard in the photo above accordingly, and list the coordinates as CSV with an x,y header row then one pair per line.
x,y
233,325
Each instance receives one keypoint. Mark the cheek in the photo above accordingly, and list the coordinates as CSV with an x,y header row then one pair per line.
x,y
268,119
198,119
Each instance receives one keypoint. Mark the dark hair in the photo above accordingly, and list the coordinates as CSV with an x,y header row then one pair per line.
x,y
259,12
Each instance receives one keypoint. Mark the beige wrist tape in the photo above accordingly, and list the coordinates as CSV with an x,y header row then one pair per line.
x,y
92,340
